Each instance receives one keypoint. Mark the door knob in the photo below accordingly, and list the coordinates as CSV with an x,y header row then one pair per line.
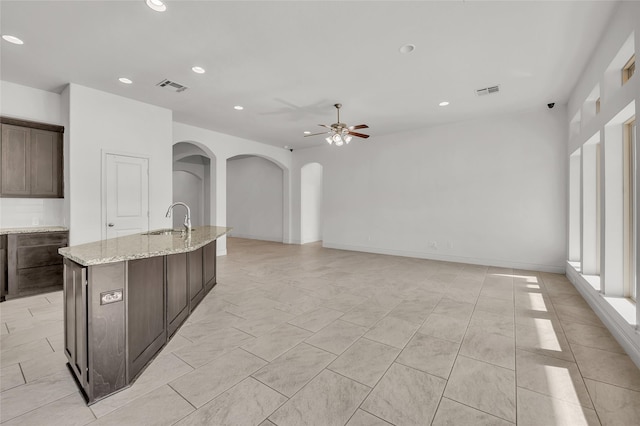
x,y
110,225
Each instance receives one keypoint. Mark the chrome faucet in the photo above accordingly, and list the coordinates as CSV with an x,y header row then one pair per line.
x,y
187,217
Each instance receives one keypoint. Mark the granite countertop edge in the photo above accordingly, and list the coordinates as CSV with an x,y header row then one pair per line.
x,y
124,248
32,229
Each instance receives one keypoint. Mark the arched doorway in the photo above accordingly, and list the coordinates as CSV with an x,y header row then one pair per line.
x,y
193,184
255,198
311,203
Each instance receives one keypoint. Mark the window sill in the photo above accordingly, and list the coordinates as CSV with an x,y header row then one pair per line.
x,y
575,265
593,280
625,307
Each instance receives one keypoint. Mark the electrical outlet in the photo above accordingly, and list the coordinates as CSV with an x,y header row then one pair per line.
x,y
35,220
433,245
112,296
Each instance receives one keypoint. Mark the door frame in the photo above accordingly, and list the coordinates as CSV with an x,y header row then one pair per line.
x,y
103,185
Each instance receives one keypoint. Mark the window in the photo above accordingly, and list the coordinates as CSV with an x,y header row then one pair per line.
x,y
629,209
598,205
628,69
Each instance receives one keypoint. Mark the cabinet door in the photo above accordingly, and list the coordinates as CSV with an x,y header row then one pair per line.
x,y
3,266
177,292
196,283
46,164
209,259
15,152
75,319
146,311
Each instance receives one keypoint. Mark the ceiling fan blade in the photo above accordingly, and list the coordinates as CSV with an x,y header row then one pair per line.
x,y
358,135
324,125
316,134
359,126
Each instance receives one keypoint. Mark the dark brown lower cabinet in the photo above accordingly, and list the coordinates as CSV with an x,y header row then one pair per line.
x,y
106,337
3,266
196,284
209,260
119,315
146,301
177,291
75,319
33,264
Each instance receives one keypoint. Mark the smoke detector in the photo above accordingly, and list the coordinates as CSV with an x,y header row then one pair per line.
x,y
488,90
172,85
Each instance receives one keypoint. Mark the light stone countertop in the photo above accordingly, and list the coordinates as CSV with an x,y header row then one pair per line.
x,y
140,246
32,229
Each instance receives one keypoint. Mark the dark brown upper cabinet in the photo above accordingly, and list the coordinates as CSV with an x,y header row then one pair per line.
x,y
31,159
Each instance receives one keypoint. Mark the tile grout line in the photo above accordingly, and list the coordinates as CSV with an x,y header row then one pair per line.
x,y
224,391
40,406
459,347
395,359
571,349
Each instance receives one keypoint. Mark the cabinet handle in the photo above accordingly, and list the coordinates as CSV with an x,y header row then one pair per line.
x,y
110,225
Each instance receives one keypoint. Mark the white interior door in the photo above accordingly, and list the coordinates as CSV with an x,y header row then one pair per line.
x,y
126,195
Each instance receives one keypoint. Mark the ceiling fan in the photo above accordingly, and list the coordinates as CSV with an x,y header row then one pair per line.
x,y
339,133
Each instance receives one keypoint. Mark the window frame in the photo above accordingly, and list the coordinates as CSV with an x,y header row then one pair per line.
x,y
630,206
629,69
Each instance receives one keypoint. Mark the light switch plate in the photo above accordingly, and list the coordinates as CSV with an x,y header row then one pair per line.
x,y
112,296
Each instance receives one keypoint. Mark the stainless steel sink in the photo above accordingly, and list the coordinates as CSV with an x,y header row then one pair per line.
x,y
165,232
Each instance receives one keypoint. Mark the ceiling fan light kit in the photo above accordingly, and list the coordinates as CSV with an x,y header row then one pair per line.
x,y
339,133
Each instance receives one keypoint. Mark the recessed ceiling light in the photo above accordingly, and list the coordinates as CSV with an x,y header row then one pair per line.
x,y
306,132
12,39
407,48
238,107
125,80
443,103
156,5
198,70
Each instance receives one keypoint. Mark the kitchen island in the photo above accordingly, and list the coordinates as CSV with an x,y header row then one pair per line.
x,y
125,297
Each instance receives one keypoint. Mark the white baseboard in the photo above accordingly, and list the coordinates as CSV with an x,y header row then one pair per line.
x,y
626,334
254,237
447,258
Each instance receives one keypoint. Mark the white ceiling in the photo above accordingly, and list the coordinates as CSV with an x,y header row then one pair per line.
x,y
288,62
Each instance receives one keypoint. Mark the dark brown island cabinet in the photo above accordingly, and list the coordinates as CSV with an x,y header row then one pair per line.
x,y
31,159
124,299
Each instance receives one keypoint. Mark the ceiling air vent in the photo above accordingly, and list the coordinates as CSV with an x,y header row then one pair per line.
x,y
172,85
488,90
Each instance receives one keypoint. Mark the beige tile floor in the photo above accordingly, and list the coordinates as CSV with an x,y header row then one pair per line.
x,y
301,335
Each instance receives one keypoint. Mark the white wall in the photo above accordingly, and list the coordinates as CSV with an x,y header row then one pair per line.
x,y
489,191
188,187
254,199
31,104
27,103
26,212
100,122
311,203
219,147
191,158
